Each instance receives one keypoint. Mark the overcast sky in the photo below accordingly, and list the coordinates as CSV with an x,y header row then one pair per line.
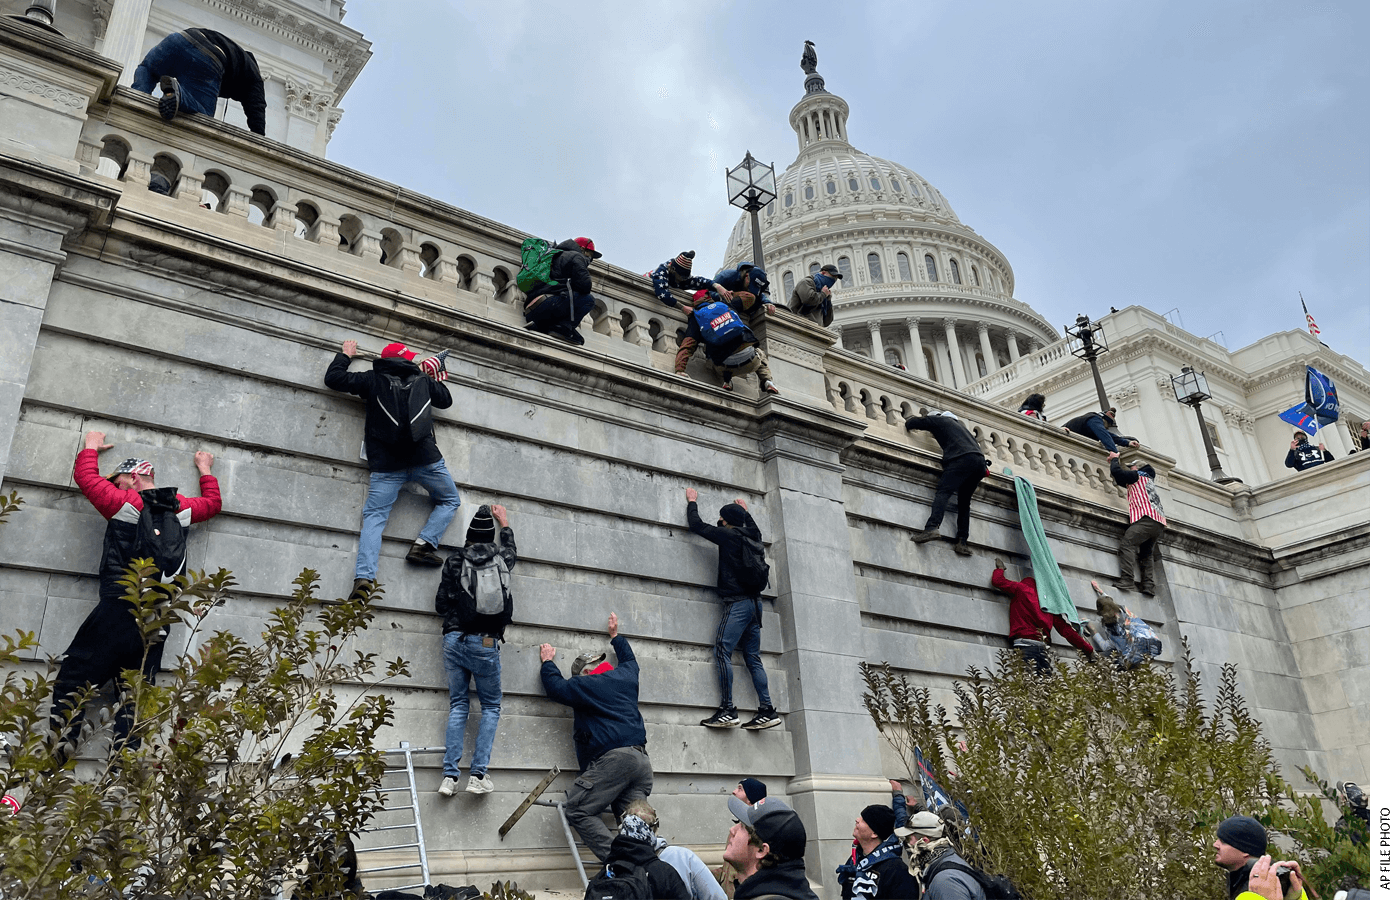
x,y
1206,157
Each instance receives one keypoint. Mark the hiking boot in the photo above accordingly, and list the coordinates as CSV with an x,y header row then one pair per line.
x,y
962,549
421,554
766,718
723,718
1124,584
170,101
769,387
448,786
480,784
928,534
362,587
1148,589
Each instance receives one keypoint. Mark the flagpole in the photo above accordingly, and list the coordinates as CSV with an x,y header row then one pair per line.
x,y
1316,333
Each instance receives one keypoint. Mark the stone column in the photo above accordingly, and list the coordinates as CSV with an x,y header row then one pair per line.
x,y
940,362
987,354
917,365
954,353
818,603
1011,345
126,32
877,344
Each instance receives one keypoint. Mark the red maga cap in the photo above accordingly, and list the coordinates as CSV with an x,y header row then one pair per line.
x,y
587,244
397,350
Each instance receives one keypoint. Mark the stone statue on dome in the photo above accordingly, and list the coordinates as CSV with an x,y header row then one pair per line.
x,y
809,58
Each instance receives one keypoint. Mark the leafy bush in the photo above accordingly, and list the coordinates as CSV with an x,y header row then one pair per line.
x,y
251,757
1094,782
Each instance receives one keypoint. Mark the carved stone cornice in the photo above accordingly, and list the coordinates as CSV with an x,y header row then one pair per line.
x,y
37,87
346,50
305,102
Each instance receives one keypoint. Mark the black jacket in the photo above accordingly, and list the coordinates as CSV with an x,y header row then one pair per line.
x,y
731,544
606,715
953,437
1306,456
385,450
666,883
454,601
1124,476
891,881
570,267
1080,426
786,879
242,80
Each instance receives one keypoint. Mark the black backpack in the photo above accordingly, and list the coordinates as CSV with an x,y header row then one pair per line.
x,y
753,569
619,881
160,536
408,407
996,887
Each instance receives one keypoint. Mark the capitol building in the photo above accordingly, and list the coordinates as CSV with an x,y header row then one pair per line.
x,y
925,293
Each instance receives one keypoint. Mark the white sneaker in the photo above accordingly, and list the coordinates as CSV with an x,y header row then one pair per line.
x,y
448,786
480,784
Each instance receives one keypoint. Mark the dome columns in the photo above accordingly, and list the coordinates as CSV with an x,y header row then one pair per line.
x,y
917,363
950,332
877,343
1011,346
988,357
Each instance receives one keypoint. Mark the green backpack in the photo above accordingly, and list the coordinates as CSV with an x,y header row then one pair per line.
x,y
536,259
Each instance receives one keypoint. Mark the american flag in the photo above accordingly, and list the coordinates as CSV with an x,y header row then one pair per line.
x,y
1312,323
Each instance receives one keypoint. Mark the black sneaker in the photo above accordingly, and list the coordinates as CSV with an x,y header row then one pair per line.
x,y
567,334
928,534
532,325
423,555
723,718
766,718
170,100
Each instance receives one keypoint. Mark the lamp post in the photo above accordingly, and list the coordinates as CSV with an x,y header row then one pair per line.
x,y
1086,342
1192,390
752,186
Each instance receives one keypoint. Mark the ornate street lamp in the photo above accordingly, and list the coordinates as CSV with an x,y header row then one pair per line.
x,y
1192,390
752,186
1086,342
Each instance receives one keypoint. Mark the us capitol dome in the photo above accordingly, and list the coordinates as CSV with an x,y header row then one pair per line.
x,y
921,290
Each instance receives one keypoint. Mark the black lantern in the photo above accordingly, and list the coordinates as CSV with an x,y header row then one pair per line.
x,y
752,186
1192,390
1086,342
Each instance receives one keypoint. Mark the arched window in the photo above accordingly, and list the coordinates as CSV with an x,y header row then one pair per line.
x,y
787,283
931,267
787,199
872,263
874,183
903,261
843,265
814,268
894,183
852,183
975,280
914,189
953,265
809,192
831,187
892,357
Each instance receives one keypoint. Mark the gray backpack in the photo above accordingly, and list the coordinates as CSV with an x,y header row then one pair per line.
x,y
487,585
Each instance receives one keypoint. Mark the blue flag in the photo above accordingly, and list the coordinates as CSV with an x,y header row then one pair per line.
x,y
1301,417
1322,397
935,798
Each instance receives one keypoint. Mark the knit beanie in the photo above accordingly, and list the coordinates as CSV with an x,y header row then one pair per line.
x,y
482,529
733,513
880,819
1245,834
754,789
684,260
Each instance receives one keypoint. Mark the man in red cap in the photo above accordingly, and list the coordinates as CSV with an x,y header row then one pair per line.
x,y
400,446
555,307
109,642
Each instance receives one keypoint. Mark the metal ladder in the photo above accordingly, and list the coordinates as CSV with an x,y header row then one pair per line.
x,y
409,786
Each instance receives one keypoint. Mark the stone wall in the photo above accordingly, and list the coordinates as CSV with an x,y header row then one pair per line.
x,y
175,328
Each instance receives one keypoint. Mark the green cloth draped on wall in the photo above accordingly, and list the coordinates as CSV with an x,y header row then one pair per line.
x,y
1049,583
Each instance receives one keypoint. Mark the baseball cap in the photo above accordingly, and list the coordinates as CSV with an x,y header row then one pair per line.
x,y
132,466
776,824
587,244
399,350
925,823
831,270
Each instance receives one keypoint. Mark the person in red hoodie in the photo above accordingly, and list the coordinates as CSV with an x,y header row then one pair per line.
x,y
1030,625
108,642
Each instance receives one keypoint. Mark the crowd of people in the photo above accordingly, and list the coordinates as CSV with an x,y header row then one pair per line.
x,y
894,854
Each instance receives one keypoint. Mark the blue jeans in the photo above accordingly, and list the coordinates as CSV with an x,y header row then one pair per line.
x,y
1106,437
739,626
462,657
384,490
553,310
198,75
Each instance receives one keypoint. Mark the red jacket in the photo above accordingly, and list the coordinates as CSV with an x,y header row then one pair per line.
x,y
1028,620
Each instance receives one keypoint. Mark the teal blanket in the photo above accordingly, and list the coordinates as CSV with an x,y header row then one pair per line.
x,y
1049,583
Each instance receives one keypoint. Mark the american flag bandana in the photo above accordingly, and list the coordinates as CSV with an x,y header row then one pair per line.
x,y
133,466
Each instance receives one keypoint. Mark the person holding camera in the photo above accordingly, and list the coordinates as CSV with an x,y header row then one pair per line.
x,y
1240,849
